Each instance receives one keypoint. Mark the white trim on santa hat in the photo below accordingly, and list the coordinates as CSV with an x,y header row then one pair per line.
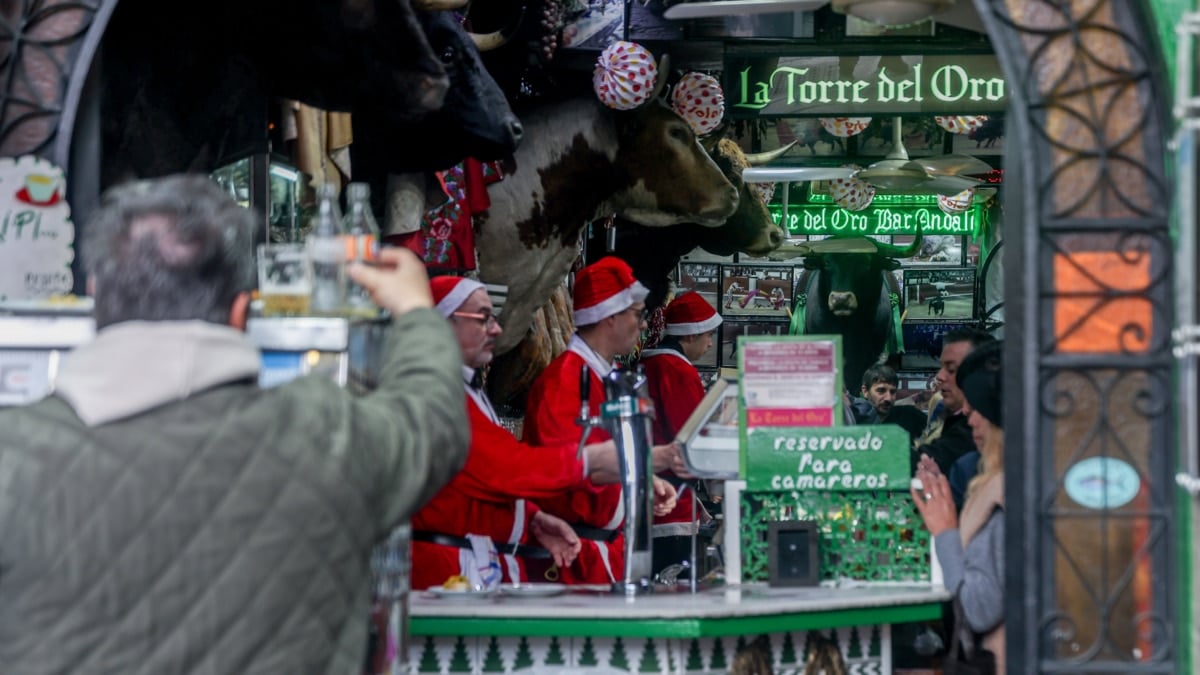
x,y
609,306
695,327
457,296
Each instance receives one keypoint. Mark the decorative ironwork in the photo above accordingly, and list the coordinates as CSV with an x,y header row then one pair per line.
x,y
1088,328
865,536
40,44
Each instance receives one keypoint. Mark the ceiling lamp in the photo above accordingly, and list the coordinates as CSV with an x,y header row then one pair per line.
x,y
892,12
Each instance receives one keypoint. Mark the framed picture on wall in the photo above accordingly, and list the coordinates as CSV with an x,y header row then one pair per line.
x,y
939,294
700,277
756,290
923,343
731,329
936,249
596,27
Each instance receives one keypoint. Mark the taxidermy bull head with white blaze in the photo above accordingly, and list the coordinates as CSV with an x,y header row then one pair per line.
x,y
581,161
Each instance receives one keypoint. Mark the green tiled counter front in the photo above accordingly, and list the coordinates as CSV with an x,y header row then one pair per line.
x,y
676,633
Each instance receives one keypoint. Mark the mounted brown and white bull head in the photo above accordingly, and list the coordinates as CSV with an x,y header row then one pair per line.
x,y
653,252
582,161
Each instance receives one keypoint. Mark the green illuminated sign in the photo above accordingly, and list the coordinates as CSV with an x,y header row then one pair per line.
x,y
895,218
837,85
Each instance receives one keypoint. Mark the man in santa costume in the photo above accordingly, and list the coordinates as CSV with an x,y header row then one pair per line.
x,y
478,525
675,387
610,313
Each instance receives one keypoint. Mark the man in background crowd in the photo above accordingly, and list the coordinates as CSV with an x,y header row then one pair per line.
x,y
161,513
948,436
610,312
878,404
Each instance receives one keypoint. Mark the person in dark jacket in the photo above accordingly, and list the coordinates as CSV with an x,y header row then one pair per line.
x,y
878,404
162,513
948,436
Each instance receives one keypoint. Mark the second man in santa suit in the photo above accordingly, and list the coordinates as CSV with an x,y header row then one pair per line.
x,y
609,317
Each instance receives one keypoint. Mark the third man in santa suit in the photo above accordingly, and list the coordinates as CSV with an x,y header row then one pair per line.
x,y
675,387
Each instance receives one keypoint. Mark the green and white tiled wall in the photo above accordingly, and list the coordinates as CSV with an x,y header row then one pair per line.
x,y
863,650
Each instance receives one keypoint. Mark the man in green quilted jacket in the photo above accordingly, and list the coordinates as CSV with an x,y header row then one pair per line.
x,y
159,513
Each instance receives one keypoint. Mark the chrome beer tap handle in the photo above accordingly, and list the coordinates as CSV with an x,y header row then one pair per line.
x,y
585,418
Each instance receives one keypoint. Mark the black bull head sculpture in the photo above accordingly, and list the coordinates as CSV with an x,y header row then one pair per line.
x,y
848,289
475,120
188,98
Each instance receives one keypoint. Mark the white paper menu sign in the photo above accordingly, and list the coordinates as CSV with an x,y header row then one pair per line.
x,y
36,234
789,382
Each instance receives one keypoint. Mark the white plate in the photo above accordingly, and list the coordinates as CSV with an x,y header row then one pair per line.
x,y
539,590
459,595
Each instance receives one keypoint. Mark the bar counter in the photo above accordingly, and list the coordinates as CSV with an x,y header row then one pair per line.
x,y
588,630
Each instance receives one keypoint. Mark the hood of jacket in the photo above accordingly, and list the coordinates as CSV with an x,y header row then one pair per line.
x,y
135,366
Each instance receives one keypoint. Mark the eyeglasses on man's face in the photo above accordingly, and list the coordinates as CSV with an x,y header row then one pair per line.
x,y
486,318
642,313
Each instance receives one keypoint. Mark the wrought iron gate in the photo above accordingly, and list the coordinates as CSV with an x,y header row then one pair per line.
x,y
1090,465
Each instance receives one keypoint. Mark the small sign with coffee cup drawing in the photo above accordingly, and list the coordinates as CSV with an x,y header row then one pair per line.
x,y
37,236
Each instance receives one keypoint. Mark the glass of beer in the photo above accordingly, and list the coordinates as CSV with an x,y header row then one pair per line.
x,y
284,279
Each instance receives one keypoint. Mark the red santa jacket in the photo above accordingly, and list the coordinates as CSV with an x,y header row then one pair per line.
x,y
674,386
486,497
551,411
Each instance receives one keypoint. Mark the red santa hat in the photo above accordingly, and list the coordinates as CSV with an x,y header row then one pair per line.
x,y
690,314
604,288
451,292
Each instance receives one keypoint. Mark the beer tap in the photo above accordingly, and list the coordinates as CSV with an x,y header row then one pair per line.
x,y
627,416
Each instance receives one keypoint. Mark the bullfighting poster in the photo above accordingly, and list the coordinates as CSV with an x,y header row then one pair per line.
x,y
703,278
756,290
939,294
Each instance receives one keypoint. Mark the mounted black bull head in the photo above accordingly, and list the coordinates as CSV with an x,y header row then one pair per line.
x,y
185,99
581,162
653,252
475,120
847,289
347,55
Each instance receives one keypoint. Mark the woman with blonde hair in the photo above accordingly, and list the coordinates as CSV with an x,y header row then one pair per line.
x,y
970,546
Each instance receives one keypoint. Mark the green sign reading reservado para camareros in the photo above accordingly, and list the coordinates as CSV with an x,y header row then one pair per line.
x,y
878,219
867,457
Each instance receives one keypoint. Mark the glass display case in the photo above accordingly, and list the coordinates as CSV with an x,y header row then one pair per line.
x,y
710,436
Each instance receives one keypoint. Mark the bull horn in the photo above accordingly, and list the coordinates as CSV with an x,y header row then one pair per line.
x,y
486,42
664,70
760,158
897,252
438,5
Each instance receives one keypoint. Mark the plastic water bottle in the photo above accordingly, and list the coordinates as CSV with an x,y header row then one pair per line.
x,y
327,254
362,237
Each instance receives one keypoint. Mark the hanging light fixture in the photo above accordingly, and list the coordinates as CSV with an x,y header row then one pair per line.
x,y
892,12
